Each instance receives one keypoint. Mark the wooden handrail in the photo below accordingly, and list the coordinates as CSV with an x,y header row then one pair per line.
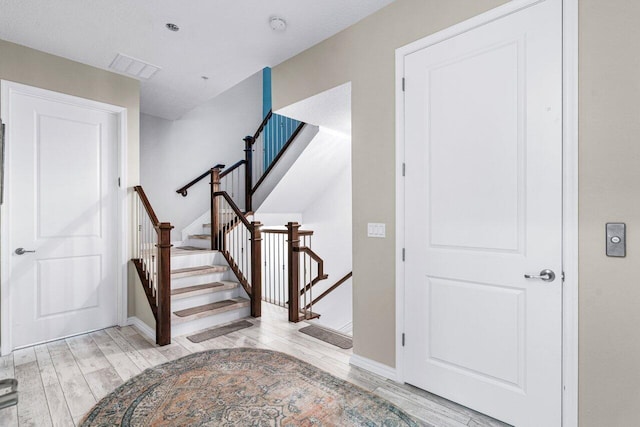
x,y
147,206
331,289
278,156
233,167
262,125
276,231
314,256
183,190
234,207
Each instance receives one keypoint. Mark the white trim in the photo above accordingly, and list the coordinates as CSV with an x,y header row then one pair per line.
x,y
373,366
570,189
122,252
400,201
570,303
146,330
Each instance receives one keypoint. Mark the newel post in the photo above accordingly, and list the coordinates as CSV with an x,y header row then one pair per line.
x,y
215,207
163,320
256,269
248,171
293,259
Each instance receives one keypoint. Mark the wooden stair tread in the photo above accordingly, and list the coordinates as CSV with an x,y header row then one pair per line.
x,y
188,291
200,236
210,309
195,271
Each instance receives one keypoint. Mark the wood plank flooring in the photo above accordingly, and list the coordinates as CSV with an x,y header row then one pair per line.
x,y
60,381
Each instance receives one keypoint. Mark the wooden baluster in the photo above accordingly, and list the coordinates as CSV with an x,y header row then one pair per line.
x,y
163,327
215,208
248,174
293,273
256,269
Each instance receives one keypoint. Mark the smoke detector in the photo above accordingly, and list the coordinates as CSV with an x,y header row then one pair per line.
x,y
277,24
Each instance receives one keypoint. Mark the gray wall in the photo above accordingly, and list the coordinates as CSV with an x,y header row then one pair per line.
x,y
609,192
609,179
175,152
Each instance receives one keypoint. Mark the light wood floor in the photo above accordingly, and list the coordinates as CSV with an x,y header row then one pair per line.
x,y
60,381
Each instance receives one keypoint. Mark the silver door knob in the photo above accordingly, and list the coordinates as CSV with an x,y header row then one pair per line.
x,y
546,275
21,251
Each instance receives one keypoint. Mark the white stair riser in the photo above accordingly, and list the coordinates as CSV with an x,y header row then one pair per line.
x,y
197,259
200,279
198,243
197,300
198,325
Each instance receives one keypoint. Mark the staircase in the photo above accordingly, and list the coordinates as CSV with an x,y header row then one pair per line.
x,y
218,273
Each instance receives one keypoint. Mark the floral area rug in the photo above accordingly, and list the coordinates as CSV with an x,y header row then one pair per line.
x,y
242,387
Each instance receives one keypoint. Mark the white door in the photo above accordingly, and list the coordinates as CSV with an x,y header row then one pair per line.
x,y
61,189
483,191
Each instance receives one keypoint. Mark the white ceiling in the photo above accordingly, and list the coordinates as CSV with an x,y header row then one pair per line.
x,y
226,40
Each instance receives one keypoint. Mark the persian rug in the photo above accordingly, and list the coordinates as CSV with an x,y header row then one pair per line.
x,y
242,387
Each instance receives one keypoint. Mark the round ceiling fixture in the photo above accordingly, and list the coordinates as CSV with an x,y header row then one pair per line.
x,y
172,27
278,24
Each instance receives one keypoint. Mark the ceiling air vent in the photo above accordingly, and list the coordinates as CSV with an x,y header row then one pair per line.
x,y
133,67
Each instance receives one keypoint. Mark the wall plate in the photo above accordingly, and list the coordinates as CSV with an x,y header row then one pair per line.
x,y
616,243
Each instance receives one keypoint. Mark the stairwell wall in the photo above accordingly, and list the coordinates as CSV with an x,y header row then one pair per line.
x,y
173,152
329,216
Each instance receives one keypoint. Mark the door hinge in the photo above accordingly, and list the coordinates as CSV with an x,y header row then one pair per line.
x,y
562,276
404,169
403,84
402,254
403,339
119,185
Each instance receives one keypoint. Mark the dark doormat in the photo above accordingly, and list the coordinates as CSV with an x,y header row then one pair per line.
x,y
333,338
218,332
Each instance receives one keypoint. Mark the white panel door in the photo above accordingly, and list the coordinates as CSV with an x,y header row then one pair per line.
x,y
483,144
61,196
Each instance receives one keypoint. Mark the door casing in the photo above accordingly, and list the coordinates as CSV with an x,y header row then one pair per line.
x,y
570,189
122,249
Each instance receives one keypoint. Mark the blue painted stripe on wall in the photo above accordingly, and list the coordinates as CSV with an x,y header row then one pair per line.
x,y
266,91
279,129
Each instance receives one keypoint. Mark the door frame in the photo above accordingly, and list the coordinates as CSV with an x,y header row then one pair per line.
x,y
569,190
122,208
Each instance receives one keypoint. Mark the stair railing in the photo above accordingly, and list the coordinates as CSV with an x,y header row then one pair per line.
x,y
275,268
238,240
305,269
152,259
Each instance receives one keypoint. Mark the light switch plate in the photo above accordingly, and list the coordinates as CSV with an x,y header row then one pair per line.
x,y
616,239
376,230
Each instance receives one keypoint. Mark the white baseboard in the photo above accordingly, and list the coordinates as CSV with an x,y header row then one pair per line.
x,y
373,366
347,328
146,330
